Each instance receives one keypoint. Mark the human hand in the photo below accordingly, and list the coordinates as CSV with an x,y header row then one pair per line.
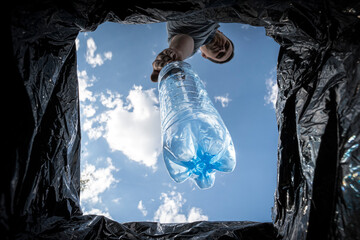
x,y
166,56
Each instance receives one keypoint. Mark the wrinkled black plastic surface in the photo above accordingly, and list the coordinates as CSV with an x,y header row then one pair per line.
x,y
317,112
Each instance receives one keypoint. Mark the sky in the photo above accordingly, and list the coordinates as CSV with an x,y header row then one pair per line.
x,y
123,175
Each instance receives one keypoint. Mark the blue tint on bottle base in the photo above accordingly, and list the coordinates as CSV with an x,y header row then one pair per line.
x,y
196,142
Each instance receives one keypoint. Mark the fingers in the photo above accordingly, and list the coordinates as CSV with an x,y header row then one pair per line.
x,y
166,56
159,64
154,76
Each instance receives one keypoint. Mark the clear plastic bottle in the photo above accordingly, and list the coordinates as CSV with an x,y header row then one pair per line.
x,y
195,139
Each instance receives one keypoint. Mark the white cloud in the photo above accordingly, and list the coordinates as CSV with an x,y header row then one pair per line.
x,y
224,100
87,107
88,110
195,214
84,83
134,128
77,43
131,126
111,99
95,59
170,211
142,208
95,127
84,150
272,89
96,211
96,181
107,55
116,200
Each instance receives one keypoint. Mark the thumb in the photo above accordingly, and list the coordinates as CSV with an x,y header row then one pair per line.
x,y
154,76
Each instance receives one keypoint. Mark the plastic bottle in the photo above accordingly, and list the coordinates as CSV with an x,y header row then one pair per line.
x,y
195,139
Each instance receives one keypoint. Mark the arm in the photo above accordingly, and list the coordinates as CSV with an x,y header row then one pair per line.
x,y
181,47
183,44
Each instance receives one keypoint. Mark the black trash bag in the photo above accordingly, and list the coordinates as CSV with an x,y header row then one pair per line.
x,y
317,112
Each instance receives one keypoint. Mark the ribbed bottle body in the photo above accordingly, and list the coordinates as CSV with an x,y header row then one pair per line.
x,y
195,139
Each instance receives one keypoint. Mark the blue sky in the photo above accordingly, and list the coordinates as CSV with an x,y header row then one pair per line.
x,y
121,160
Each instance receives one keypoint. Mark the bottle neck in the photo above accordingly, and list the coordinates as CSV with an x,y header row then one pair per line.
x,y
172,68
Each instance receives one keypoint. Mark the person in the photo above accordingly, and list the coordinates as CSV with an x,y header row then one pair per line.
x,y
185,38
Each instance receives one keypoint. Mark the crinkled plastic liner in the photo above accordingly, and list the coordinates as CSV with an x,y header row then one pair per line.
x,y
318,118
